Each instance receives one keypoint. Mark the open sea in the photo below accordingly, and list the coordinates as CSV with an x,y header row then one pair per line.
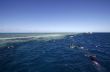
x,y
54,52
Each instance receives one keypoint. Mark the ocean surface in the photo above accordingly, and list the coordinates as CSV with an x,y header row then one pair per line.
x,y
54,52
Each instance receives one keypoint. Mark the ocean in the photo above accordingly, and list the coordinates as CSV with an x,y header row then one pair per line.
x,y
54,52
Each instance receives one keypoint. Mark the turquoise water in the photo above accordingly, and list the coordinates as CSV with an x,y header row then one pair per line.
x,y
55,52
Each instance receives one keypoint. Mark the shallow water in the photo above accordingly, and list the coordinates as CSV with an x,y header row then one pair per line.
x,y
69,53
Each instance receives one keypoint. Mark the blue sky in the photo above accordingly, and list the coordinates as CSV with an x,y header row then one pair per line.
x,y
54,15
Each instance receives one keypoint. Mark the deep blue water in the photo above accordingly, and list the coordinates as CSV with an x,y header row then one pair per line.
x,y
67,54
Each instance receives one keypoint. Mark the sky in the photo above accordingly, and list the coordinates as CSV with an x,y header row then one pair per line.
x,y
54,15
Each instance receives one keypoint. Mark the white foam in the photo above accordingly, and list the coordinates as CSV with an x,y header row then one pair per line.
x,y
37,36
28,38
82,47
71,36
